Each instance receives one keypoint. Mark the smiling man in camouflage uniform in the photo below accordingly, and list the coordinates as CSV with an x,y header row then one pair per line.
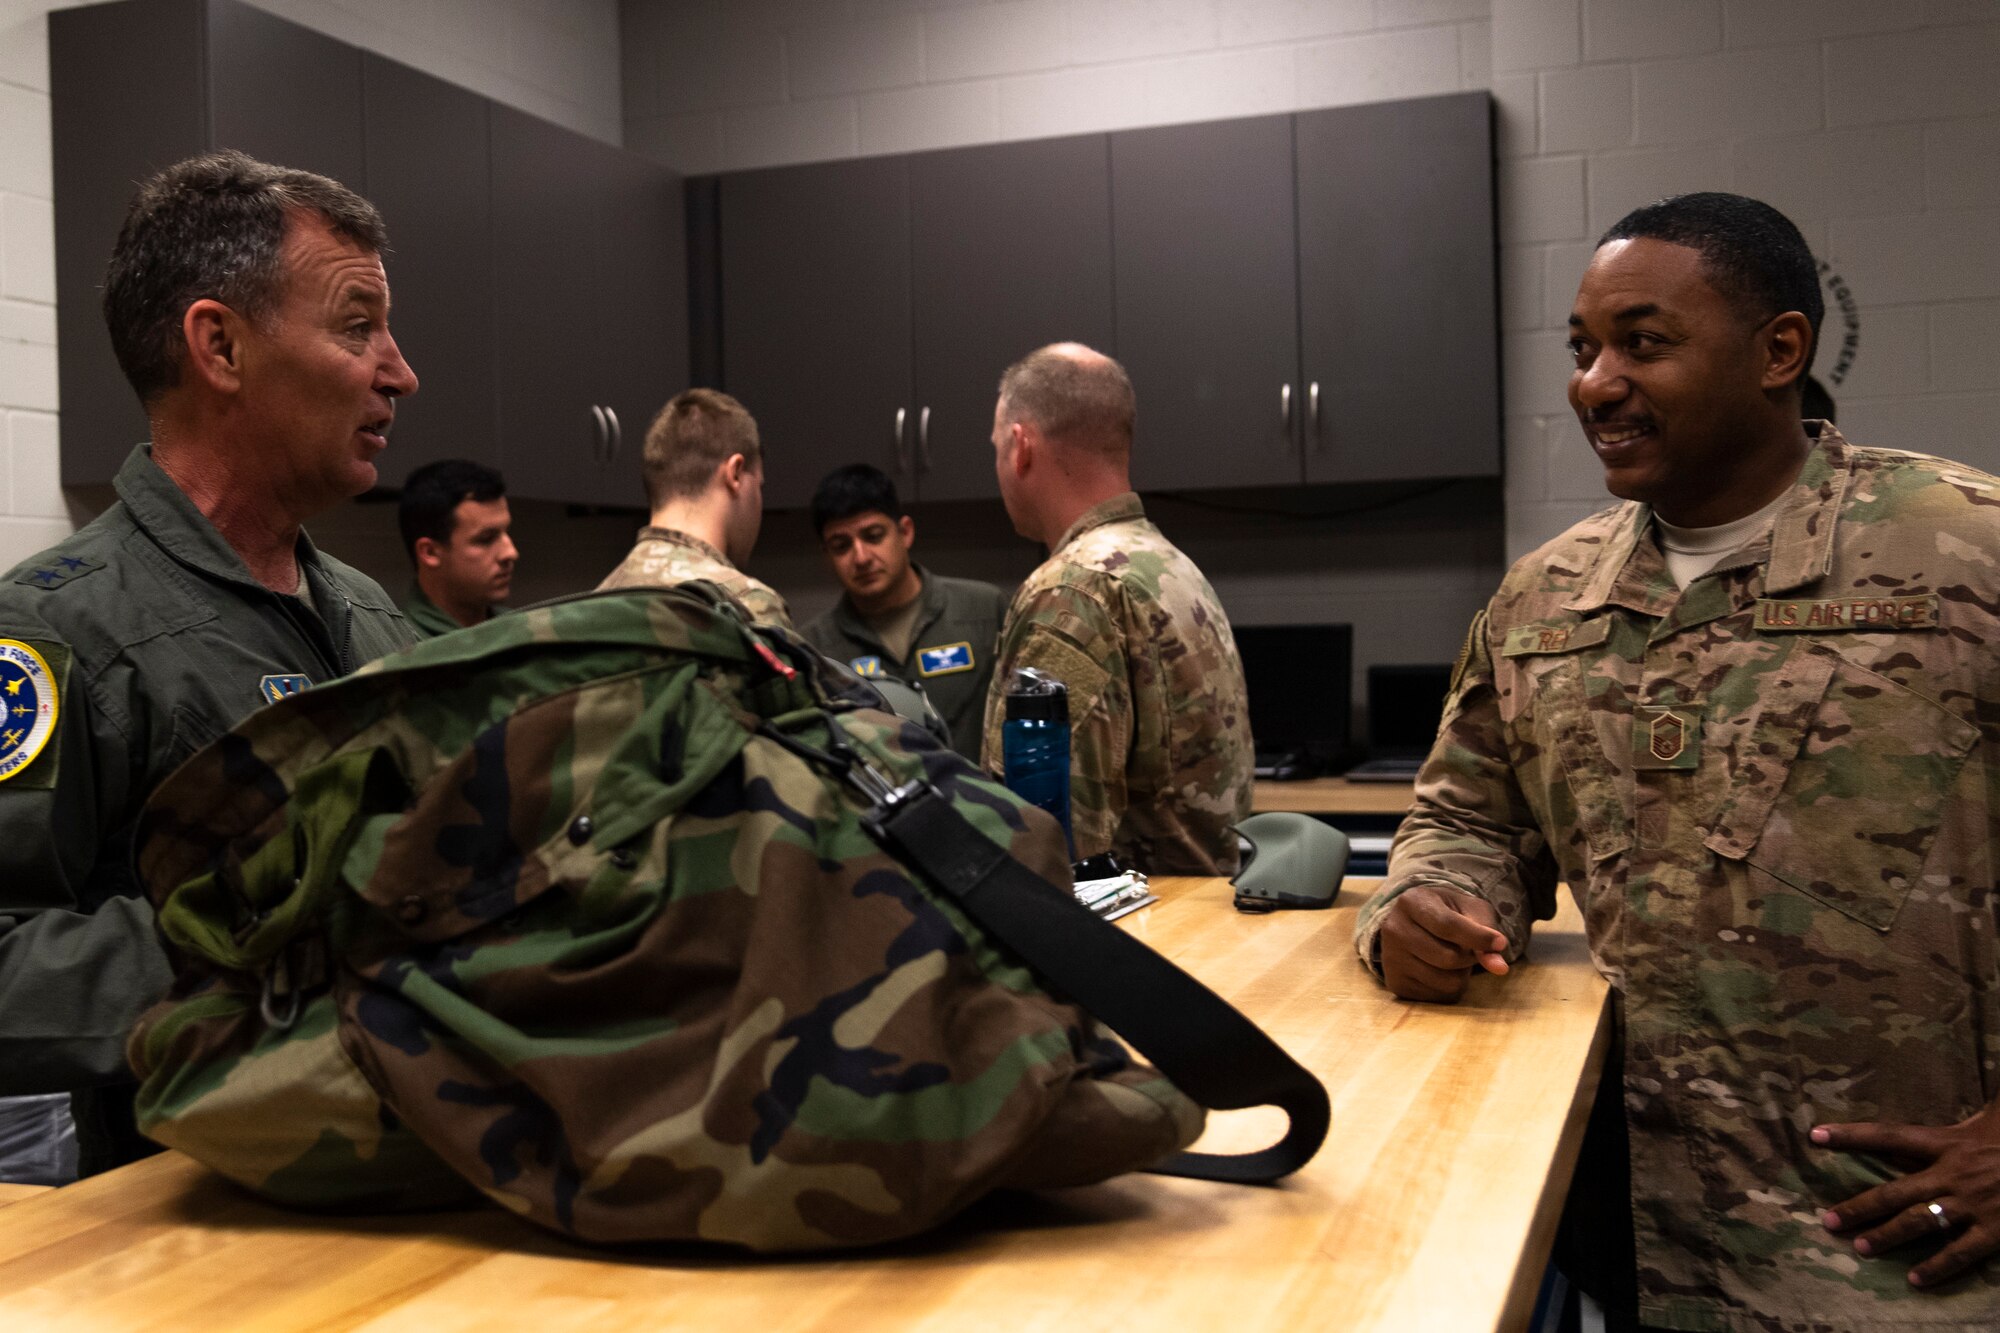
x,y
1751,717
1160,753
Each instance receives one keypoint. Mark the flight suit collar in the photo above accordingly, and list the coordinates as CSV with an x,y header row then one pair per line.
x,y
1118,509
930,605
1631,571
675,537
170,519
427,615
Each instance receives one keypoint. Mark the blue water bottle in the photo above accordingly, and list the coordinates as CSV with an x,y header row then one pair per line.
x,y
1034,744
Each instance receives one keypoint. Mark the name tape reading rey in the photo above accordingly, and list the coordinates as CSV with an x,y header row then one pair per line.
x,y
27,706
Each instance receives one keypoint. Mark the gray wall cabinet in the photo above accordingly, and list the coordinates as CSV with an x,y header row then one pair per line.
x,y
1398,330
589,305
1208,300
815,297
868,307
538,277
1298,298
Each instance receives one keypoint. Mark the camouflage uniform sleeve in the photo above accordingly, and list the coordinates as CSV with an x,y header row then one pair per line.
x,y
1069,633
765,606
1470,828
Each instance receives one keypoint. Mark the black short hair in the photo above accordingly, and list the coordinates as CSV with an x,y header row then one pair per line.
x,y
1815,403
1754,255
858,488
212,228
433,493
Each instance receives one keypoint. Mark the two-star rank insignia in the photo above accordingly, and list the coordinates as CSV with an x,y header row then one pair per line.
x,y
58,570
945,660
867,666
274,688
27,706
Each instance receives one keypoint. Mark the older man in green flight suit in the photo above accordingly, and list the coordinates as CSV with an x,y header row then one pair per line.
x,y
248,307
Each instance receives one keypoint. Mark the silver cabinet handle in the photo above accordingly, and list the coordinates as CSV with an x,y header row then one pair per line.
x,y
602,431
617,434
1285,407
924,438
902,460
1312,411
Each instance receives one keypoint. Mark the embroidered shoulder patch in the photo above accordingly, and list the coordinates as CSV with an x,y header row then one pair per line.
x,y
58,570
28,706
870,665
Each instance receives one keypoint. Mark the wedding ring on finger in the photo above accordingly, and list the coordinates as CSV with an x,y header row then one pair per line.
x,y
1936,1211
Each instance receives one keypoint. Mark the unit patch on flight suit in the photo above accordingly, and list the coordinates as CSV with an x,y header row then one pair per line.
x,y
870,665
274,688
28,706
946,660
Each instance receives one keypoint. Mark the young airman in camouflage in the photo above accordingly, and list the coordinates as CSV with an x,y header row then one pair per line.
x,y
704,471
1160,753
1771,786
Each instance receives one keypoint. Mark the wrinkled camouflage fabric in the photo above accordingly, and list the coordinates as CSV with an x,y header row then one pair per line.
x,y
665,557
1798,905
1160,756
557,926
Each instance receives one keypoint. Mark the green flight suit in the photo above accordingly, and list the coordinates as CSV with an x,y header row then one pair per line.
x,y
153,639
951,651
428,619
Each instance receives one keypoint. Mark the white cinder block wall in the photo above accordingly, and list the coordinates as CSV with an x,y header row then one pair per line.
x,y
1875,127
554,58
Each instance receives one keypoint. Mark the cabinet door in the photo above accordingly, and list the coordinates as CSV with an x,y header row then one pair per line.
x,y
543,309
640,313
1396,275
126,100
1010,250
285,94
1206,265
816,318
429,172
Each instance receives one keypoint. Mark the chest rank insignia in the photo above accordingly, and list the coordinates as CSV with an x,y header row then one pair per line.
x,y
1666,737
27,706
945,660
867,666
274,688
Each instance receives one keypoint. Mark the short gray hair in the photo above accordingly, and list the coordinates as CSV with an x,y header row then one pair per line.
x,y
212,228
1081,400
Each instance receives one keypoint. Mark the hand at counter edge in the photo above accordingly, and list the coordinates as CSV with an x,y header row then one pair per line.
x,y
1433,938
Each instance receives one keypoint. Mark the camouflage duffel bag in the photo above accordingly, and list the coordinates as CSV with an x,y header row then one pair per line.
x,y
651,926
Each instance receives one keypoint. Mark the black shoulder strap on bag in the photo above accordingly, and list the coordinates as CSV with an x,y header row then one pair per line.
x,y
1196,1038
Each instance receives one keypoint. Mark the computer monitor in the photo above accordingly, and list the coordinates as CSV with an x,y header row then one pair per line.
x,y
1404,705
1300,679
